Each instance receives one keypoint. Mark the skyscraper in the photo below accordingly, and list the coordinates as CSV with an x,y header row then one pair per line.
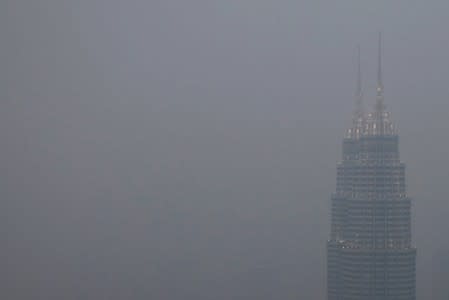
x,y
369,252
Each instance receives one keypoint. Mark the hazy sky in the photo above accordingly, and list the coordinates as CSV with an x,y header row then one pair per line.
x,y
174,149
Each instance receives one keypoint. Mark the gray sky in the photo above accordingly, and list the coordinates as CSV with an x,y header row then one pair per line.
x,y
187,149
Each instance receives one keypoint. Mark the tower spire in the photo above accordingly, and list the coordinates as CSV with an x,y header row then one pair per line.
x,y
380,106
358,119
358,93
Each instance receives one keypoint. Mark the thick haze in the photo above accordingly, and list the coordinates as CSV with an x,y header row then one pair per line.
x,y
173,149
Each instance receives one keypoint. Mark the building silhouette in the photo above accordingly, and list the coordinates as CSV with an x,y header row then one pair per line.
x,y
369,252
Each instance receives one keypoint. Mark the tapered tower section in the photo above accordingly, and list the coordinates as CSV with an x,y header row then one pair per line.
x,y
369,253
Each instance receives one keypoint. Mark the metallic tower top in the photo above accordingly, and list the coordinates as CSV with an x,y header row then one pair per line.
x,y
379,121
358,120
380,106
359,92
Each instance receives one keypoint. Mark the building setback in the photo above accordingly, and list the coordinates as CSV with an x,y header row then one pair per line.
x,y
369,252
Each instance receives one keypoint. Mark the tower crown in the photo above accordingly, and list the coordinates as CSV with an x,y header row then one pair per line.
x,y
358,119
379,121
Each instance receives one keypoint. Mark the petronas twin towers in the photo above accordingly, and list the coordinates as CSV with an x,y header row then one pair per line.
x,y
370,255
